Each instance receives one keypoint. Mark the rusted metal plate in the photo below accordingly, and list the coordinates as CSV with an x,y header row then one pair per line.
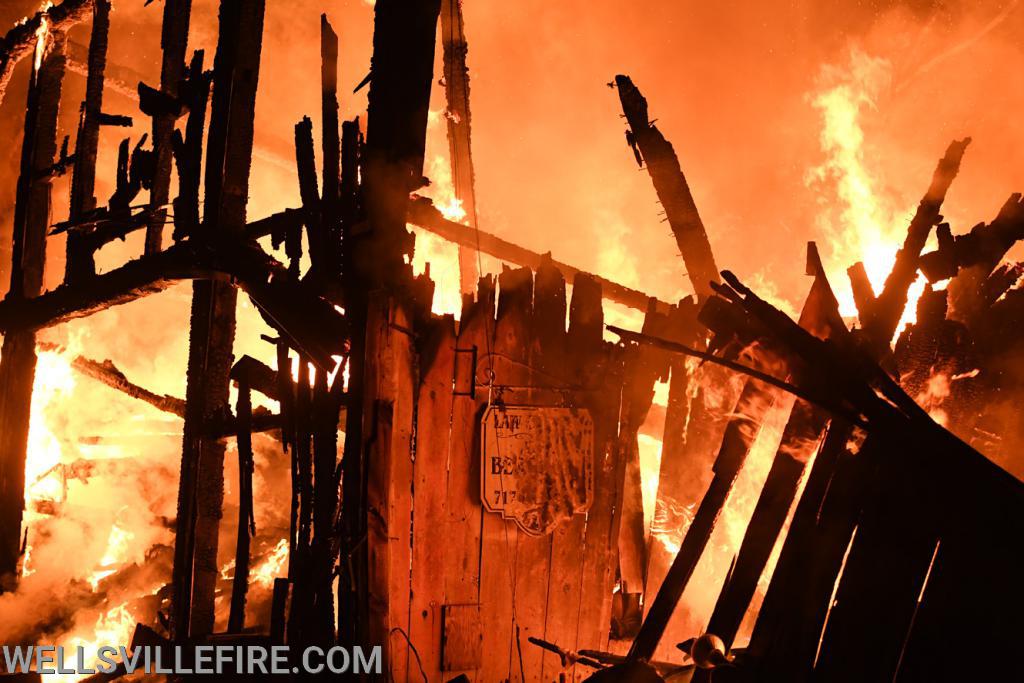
x,y
537,464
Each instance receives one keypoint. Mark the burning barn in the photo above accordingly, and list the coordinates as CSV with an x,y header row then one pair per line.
x,y
275,383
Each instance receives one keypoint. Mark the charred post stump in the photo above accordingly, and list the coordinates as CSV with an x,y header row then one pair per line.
x,y
18,358
80,264
401,73
229,155
174,42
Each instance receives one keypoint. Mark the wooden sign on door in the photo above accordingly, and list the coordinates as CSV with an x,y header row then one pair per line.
x,y
537,464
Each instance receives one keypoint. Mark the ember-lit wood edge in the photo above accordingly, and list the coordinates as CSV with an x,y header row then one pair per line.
x,y
20,41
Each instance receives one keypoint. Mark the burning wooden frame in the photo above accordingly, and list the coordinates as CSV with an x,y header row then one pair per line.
x,y
393,534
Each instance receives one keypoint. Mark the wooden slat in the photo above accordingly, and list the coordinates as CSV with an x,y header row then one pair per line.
x,y
389,487
430,542
882,577
464,514
601,375
551,358
513,341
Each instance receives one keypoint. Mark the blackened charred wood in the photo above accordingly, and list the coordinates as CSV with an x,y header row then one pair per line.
x,y
276,225
20,41
330,216
310,194
457,115
188,152
229,157
799,439
307,320
28,257
109,374
672,188
325,417
79,264
881,324
984,246
863,292
401,73
300,626
246,520
348,202
260,377
753,404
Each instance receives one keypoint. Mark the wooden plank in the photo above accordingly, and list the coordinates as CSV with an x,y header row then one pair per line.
x,y
401,75
672,188
754,402
551,357
388,443
799,438
463,640
430,541
331,145
513,582
789,625
228,157
882,576
28,257
463,528
600,370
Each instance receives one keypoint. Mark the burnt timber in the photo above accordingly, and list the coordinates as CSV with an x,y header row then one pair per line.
x,y
873,559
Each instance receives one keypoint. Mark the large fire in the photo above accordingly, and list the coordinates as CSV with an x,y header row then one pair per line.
x,y
88,446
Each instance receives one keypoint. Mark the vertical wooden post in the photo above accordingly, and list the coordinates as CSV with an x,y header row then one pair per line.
x,y
330,215
18,358
432,540
456,88
672,188
174,42
79,264
602,375
229,156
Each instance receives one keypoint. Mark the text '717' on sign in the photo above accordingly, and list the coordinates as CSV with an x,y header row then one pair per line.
x,y
537,464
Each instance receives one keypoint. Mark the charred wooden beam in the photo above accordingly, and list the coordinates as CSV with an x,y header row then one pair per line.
x,y
401,73
305,163
456,89
671,186
330,210
753,404
246,521
881,324
174,43
20,41
863,292
985,245
188,149
228,157
423,214
28,256
79,264
109,374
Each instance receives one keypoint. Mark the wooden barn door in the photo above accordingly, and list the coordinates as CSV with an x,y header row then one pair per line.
x,y
479,586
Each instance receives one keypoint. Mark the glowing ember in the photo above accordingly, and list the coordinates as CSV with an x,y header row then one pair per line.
x,y
41,33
